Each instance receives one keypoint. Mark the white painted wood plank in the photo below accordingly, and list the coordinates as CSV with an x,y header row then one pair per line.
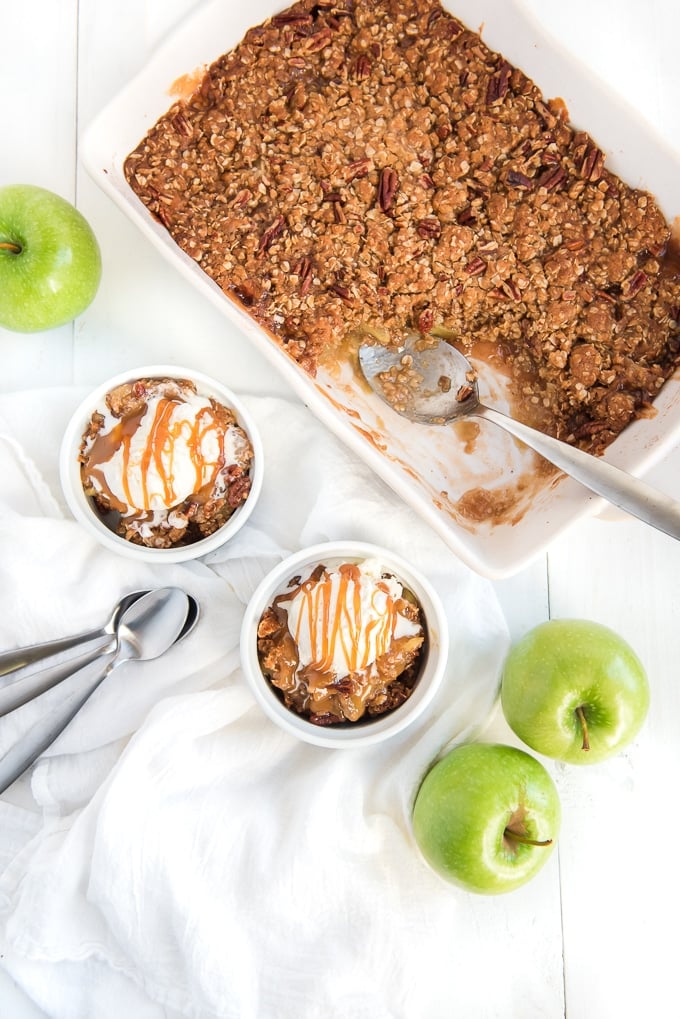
x,y
37,113
620,886
524,597
620,824
38,119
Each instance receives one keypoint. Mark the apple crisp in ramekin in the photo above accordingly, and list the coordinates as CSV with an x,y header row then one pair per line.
x,y
163,464
342,643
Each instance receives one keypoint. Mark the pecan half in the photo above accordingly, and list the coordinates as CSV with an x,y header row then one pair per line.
x,y
362,68
499,84
507,291
591,164
163,214
552,178
590,428
319,41
297,99
291,18
270,234
545,113
342,292
388,185
605,296
519,180
466,217
425,320
182,125
243,197
429,227
633,285
359,168
478,189
576,244
476,266
304,271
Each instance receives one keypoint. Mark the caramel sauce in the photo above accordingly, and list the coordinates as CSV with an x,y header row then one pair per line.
x,y
335,621
158,454
185,86
373,438
468,433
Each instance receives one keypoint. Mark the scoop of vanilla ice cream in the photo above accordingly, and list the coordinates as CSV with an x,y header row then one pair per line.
x,y
176,448
348,618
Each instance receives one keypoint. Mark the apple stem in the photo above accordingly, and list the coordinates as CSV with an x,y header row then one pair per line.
x,y
525,840
584,726
15,249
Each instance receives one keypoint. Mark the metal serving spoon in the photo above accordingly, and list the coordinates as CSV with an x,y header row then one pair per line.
x,y
150,627
448,390
33,674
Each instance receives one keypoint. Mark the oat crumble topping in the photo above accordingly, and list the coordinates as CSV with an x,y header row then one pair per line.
x,y
373,162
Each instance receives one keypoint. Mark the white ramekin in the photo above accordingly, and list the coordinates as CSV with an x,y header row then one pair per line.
x,y
360,733
82,507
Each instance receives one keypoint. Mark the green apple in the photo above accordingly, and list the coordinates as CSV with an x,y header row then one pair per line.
x,y
50,265
574,690
486,817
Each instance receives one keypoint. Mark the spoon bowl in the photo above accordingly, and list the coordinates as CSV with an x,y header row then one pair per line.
x,y
151,625
425,380
430,381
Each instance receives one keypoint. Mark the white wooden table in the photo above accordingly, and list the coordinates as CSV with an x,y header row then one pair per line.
x,y
593,936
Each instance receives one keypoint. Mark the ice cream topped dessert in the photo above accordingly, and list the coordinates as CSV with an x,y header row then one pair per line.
x,y
342,642
170,464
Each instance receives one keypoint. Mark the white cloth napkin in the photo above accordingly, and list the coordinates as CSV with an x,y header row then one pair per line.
x,y
175,854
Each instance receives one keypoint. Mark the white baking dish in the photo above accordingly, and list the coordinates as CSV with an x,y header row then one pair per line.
x,y
427,466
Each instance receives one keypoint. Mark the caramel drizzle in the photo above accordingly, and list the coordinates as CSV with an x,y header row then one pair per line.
x,y
158,452
336,620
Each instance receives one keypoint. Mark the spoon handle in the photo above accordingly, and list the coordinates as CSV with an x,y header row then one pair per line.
x,y
34,655
29,678
623,490
43,732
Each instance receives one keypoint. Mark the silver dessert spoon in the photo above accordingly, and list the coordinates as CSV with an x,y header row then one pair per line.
x,y
448,390
34,673
32,656
147,630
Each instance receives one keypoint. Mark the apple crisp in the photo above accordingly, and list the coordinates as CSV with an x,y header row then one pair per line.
x,y
373,165
163,465
343,643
